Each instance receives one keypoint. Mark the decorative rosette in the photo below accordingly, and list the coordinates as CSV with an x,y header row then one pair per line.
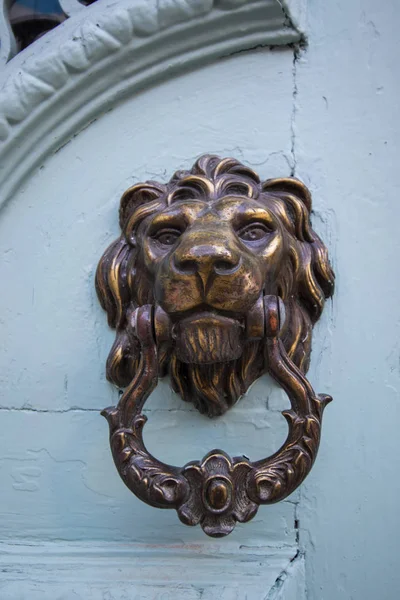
x,y
218,497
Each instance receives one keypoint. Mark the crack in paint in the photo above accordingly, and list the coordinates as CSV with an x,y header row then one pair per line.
x,y
296,53
282,577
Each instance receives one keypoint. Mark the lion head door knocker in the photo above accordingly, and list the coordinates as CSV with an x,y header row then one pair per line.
x,y
217,278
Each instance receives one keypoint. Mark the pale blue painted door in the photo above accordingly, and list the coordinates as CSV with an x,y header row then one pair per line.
x,y
76,133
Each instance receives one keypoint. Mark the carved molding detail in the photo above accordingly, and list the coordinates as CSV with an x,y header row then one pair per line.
x,y
8,46
44,89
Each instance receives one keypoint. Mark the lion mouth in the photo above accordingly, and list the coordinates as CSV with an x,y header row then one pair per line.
x,y
206,338
202,309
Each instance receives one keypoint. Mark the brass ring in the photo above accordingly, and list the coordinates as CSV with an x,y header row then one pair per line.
x,y
217,491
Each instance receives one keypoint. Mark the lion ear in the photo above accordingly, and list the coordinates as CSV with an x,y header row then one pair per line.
x,y
138,194
289,185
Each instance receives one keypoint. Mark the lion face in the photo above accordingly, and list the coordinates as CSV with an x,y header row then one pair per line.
x,y
209,260
205,248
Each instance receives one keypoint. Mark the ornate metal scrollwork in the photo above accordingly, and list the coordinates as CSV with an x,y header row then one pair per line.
x,y
215,279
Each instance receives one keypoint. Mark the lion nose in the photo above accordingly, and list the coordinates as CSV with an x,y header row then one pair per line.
x,y
206,259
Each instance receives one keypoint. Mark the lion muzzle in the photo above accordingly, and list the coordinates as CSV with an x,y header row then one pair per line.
x,y
206,337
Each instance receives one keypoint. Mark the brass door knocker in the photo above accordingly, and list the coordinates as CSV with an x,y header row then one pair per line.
x,y
216,279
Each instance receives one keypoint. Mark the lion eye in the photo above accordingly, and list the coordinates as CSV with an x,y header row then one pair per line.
x,y
253,232
167,237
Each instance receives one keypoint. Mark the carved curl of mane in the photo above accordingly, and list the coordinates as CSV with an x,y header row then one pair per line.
x,y
305,281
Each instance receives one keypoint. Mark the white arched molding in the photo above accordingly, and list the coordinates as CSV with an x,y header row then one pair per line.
x,y
71,7
108,51
8,45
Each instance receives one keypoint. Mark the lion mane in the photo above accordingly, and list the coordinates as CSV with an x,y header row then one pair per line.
x,y
304,281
